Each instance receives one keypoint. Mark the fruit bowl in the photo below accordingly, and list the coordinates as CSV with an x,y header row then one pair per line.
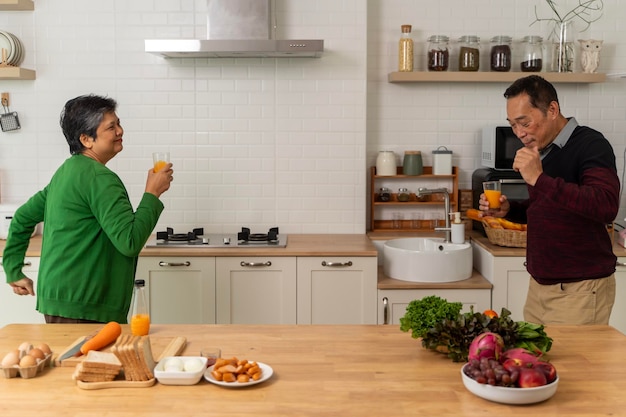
x,y
509,395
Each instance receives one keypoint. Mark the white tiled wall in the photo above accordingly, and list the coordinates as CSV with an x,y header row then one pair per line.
x,y
265,142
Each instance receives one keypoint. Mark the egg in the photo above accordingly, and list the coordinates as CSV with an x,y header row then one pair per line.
x,y
173,365
37,354
27,361
193,365
10,359
24,348
45,348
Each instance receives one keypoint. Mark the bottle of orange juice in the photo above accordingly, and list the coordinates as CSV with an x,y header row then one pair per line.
x,y
140,320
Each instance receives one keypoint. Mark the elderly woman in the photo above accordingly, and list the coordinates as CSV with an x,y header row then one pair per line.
x,y
92,236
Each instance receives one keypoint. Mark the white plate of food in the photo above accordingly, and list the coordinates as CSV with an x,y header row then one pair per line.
x,y
266,373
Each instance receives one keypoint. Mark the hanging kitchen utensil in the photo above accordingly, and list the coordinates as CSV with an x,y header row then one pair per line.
x,y
8,120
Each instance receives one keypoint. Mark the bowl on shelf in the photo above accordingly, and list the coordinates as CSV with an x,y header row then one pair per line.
x,y
509,395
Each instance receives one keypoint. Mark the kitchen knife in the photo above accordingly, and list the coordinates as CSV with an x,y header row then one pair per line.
x,y
74,350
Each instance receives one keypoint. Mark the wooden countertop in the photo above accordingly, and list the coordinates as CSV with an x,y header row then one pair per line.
x,y
365,370
297,245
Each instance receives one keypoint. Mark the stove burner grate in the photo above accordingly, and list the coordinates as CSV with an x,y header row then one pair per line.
x,y
169,235
270,237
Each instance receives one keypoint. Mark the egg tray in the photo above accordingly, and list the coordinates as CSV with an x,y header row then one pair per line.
x,y
27,371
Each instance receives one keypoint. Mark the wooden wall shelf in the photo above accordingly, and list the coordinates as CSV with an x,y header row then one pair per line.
x,y
16,73
17,5
490,77
434,202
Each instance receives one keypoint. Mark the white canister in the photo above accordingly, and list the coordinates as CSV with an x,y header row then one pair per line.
x,y
442,161
386,163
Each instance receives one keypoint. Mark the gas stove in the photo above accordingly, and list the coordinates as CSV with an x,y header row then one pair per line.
x,y
197,239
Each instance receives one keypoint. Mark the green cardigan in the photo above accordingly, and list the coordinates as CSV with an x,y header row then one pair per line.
x,y
91,241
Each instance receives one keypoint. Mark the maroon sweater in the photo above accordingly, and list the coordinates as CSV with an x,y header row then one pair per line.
x,y
568,210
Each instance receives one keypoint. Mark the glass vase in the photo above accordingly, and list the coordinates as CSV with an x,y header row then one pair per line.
x,y
563,40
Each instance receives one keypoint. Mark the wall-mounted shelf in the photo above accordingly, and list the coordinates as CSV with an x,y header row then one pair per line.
x,y
491,77
16,73
379,222
17,5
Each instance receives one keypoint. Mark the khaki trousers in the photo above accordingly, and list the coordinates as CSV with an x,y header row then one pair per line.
x,y
583,302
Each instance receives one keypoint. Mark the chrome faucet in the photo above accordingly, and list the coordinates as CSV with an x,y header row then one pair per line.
x,y
446,207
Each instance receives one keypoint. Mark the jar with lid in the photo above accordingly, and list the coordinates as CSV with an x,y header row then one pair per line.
x,y
501,53
405,50
412,163
532,54
438,53
386,163
469,53
403,195
384,194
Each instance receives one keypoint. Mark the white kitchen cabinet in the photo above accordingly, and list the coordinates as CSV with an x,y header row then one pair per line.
x,y
19,308
392,303
509,278
618,315
181,290
255,290
337,290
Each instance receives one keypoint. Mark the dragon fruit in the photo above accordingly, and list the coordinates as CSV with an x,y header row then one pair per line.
x,y
486,345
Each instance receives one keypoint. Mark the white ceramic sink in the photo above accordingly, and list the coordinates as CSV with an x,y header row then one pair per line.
x,y
427,260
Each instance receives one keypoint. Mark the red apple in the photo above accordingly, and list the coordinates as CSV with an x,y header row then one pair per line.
x,y
512,364
531,377
548,370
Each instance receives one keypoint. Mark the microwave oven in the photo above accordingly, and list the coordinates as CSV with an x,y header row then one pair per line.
x,y
512,185
499,145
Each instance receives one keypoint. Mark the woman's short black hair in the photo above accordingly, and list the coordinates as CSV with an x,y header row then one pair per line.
x,y
540,92
83,115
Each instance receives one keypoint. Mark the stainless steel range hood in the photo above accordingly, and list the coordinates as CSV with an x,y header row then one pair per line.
x,y
238,29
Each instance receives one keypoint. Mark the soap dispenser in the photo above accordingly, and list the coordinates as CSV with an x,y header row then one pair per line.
x,y
457,228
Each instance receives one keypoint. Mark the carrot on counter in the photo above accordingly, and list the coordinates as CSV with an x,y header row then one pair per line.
x,y
108,334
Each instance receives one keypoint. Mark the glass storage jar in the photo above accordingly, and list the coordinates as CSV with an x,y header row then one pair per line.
x,y
469,53
384,194
405,50
501,53
532,54
403,195
438,53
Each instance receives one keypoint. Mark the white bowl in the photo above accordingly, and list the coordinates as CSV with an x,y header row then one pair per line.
x,y
179,377
509,395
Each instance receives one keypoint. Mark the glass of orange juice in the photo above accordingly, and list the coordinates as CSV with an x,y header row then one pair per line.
x,y
492,193
161,159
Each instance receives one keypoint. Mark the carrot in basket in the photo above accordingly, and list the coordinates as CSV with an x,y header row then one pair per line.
x,y
108,334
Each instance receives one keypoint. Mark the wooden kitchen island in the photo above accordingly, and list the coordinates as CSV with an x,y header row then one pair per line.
x,y
360,370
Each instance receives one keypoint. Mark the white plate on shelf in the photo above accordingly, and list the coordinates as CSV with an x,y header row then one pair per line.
x,y
6,42
267,374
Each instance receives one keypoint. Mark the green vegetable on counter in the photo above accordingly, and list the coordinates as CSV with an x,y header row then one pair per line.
x,y
443,328
422,315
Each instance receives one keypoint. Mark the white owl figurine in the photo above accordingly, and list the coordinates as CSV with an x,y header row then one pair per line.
x,y
590,54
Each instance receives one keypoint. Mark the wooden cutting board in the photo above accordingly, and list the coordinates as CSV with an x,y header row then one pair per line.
x,y
161,347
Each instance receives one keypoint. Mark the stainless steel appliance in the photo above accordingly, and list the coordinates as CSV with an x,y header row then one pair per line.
x,y
197,239
511,184
499,145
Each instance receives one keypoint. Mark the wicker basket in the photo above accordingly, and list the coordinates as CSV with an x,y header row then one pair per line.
x,y
506,237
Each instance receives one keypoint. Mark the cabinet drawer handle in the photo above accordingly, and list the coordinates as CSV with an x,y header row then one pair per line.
x,y
618,263
163,263
331,264
385,310
244,263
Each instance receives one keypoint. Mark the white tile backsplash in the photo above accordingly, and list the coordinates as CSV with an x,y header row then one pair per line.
x,y
265,142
